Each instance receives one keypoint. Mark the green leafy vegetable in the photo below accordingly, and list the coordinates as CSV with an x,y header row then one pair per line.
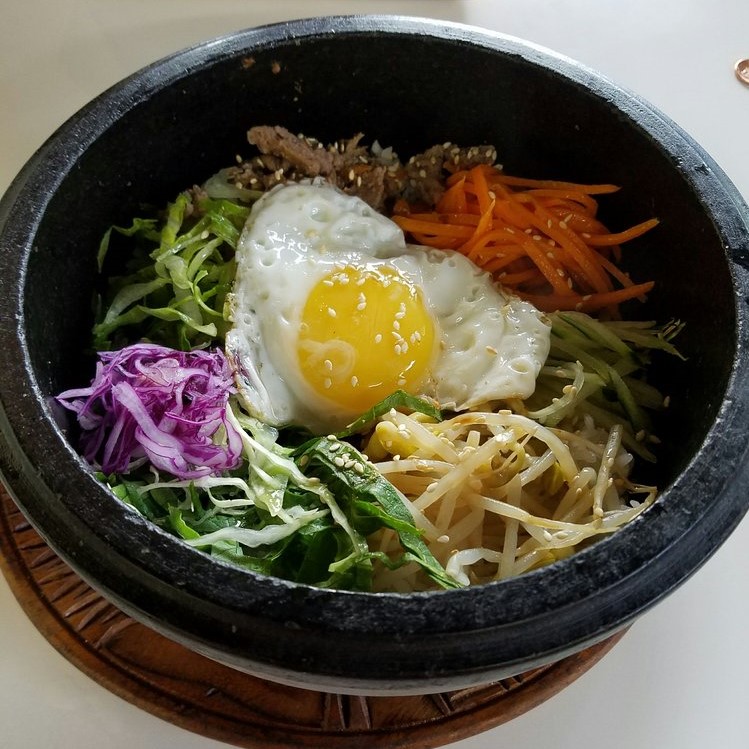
x,y
399,400
358,486
179,273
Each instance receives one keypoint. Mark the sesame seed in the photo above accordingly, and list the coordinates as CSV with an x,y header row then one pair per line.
x,y
667,401
359,467
332,312
562,225
361,306
397,349
443,539
327,383
334,447
560,272
537,237
328,365
492,350
327,282
569,282
549,223
378,338
354,381
396,325
351,175
338,460
204,235
586,235
402,381
432,486
586,297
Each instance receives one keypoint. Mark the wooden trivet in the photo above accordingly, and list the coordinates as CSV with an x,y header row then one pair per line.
x,y
216,701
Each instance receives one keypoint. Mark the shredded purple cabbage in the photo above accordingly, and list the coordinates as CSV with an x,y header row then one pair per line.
x,y
149,402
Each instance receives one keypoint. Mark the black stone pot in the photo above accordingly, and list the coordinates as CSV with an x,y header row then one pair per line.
x,y
408,83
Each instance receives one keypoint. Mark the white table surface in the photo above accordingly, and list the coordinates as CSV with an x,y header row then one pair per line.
x,y
679,678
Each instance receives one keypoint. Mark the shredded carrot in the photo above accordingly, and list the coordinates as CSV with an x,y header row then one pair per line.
x,y
538,238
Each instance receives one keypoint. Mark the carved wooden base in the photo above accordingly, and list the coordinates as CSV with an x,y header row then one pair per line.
x,y
213,700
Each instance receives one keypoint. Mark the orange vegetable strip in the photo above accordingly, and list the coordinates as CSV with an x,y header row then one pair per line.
x,y
578,252
553,184
586,259
439,243
617,273
484,225
551,270
506,231
575,197
435,228
454,199
604,240
588,302
507,262
482,189
507,211
464,219
497,256
579,222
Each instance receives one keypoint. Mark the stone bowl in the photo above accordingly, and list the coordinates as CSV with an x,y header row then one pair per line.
x,y
409,83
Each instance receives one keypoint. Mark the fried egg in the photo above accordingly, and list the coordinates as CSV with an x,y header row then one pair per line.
x,y
332,311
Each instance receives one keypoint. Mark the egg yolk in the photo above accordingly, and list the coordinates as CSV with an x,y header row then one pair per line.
x,y
364,333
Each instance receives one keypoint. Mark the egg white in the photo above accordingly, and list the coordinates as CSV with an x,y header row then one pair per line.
x,y
492,345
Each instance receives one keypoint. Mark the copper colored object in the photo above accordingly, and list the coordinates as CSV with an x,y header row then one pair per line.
x,y
742,71
213,700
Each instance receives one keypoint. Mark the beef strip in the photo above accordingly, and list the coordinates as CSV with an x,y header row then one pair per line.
x,y
353,167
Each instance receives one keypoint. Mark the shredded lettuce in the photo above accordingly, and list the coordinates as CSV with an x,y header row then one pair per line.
x,y
177,279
